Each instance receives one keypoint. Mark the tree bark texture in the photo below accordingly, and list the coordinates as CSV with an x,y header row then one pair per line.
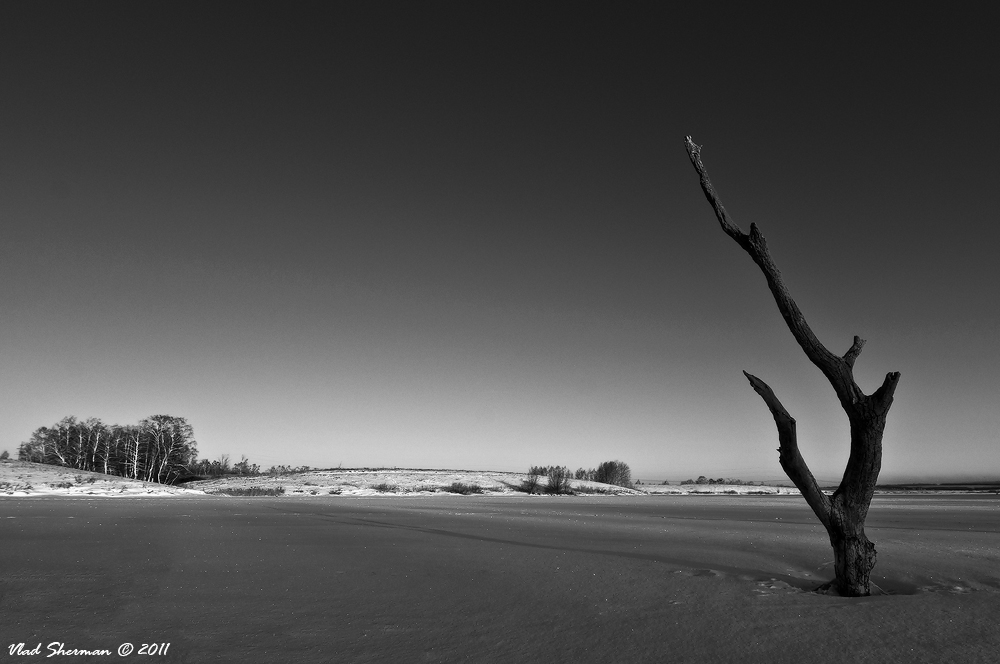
x,y
842,514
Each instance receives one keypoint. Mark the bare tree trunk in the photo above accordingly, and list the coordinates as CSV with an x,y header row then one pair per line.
x,y
135,455
842,514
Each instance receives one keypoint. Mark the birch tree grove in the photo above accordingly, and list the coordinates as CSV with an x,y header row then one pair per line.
x,y
159,449
842,514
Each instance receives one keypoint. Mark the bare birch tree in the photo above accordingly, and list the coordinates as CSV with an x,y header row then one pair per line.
x,y
843,513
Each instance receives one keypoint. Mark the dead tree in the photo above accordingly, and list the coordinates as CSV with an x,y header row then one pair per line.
x,y
843,513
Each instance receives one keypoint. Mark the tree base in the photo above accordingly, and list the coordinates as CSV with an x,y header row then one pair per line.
x,y
830,588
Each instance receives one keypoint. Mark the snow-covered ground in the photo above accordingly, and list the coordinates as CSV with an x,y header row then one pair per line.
x,y
375,482
21,478
718,489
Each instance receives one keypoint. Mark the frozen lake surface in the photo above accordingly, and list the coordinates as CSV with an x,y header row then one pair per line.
x,y
496,579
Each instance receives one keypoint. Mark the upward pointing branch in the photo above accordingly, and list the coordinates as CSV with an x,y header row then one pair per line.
x,y
838,370
731,229
788,452
853,352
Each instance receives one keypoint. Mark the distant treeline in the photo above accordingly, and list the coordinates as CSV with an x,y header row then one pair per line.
x,y
222,466
159,448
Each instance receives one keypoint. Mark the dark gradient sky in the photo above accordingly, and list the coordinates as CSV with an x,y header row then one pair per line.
x,y
468,235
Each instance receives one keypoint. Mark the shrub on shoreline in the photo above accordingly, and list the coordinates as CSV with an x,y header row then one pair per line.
x,y
614,472
559,477
462,488
530,485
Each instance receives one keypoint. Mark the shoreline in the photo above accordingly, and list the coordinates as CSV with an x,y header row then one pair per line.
x,y
22,479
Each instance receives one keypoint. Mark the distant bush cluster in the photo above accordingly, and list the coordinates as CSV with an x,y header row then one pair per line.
x,y
275,471
250,491
609,472
722,480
